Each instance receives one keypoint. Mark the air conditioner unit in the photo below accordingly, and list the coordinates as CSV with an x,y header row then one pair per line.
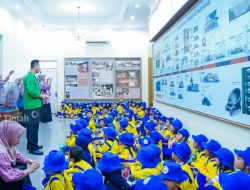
x,y
97,40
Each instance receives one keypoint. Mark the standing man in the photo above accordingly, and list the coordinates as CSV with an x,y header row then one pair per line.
x,y
32,105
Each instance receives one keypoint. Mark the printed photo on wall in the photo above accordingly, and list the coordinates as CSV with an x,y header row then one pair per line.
x,y
103,91
128,78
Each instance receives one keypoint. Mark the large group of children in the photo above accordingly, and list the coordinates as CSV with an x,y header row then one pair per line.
x,y
127,145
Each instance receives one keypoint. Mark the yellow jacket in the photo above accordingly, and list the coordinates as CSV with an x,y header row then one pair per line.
x,y
109,146
71,140
209,169
91,149
132,129
56,182
139,173
140,113
92,126
78,167
187,169
200,160
168,134
119,109
126,153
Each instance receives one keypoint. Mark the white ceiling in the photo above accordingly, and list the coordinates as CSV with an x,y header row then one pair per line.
x,y
116,13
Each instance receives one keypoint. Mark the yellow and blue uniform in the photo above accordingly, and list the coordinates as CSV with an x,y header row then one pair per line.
x,y
78,167
199,160
119,109
56,182
168,134
131,128
126,154
108,146
71,140
92,126
140,113
139,173
191,182
91,149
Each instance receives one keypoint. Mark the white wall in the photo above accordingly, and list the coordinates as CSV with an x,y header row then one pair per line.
x,y
23,43
227,134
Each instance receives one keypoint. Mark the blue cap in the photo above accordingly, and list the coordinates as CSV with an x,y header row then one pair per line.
x,y
152,182
84,116
110,162
199,139
184,132
163,118
84,122
144,119
129,115
110,118
170,119
244,154
145,141
85,132
157,151
111,113
157,118
76,126
98,113
55,161
110,133
212,145
177,124
144,104
127,139
105,119
234,181
182,151
124,123
147,157
225,156
89,180
82,141
156,136
173,172
150,125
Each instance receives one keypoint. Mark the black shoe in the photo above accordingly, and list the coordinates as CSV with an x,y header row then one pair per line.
x,y
40,147
36,152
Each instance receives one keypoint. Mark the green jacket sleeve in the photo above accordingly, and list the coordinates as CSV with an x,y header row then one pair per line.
x,y
32,89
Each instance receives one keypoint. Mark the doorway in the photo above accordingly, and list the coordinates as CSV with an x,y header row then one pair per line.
x,y
49,68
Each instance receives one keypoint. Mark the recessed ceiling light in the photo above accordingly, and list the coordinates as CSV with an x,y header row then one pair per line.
x,y
18,7
137,6
132,17
72,7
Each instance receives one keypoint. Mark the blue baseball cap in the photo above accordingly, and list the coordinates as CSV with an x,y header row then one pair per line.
x,y
55,161
147,157
225,156
212,145
177,124
237,180
85,132
110,118
127,139
245,154
199,139
184,132
173,172
84,116
89,180
156,136
111,113
82,141
170,119
76,126
144,119
84,122
124,123
143,104
150,125
110,133
109,162
182,151
98,113
152,182
129,115
145,141
163,118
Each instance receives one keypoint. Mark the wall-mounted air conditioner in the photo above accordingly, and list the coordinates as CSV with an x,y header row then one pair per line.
x,y
97,40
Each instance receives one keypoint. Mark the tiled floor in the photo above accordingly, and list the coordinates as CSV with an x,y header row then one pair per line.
x,y
50,136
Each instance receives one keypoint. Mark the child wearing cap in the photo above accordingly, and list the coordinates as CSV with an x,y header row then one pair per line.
x,y
149,126
146,165
124,126
151,182
199,155
183,135
157,138
181,153
54,165
140,126
110,168
143,142
174,177
91,125
172,125
242,161
110,144
88,180
140,110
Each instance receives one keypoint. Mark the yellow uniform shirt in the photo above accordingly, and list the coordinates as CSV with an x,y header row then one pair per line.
x,y
71,140
200,160
132,129
92,126
119,109
139,173
91,149
168,134
127,154
191,181
56,182
140,113
78,167
109,146
209,169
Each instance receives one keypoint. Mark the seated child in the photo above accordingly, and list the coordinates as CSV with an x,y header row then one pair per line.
x,y
146,164
157,138
140,111
149,126
181,153
183,135
123,125
158,156
242,161
110,168
110,144
174,177
143,142
152,182
91,125
199,154
77,164
75,127
140,127
162,123
88,180
54,165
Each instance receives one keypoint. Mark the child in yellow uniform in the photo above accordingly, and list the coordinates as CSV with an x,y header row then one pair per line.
x,y
75,127
242,161
146,165
110,144
199,155
149,126
183,135
123,125
181,153
174,177
157,138
91,125
54,165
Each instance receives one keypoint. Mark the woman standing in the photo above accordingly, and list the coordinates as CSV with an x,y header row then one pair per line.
x,y
14,174
45,86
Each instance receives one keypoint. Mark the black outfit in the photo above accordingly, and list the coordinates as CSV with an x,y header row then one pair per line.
x,y
114,181
16,185
46,115
32,119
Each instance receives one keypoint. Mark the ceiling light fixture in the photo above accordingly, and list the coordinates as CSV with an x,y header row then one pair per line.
x,y
137,5
132,17
78,33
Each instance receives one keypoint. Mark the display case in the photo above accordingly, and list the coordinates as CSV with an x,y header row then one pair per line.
x,y
9,93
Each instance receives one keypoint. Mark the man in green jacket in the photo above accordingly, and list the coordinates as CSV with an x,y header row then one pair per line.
x,y
32,105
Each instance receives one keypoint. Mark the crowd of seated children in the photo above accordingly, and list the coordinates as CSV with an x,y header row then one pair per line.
x,y
127,145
